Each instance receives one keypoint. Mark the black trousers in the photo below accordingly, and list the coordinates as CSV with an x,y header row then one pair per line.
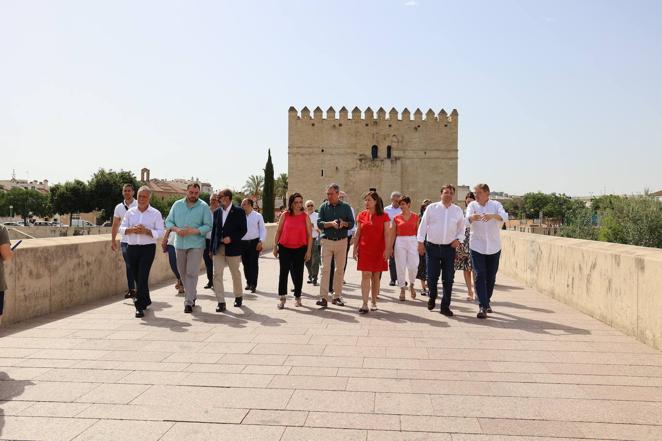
x,y
333,263
440,259
141,258
249,259
209,263
291,262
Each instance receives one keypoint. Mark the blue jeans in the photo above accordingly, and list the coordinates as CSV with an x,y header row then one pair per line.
x,y
172,258
129,274
486,267
440,259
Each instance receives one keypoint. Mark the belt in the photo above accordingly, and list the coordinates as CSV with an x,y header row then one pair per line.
x,y
335,239
438,245
250,240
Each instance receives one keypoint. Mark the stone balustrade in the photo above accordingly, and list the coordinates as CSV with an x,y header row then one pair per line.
x,y
620,285
52,274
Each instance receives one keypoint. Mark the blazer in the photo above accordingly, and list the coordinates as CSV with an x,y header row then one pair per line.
x,y
235,228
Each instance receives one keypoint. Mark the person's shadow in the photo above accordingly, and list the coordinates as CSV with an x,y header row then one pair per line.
x,y
10,388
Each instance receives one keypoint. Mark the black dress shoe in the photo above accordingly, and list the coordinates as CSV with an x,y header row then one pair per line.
x,y
392,283
481,314
253,289
247,287
237,301
139,313
338,302
314,281
488,309
431,303
446,311
209,285
130,294
323,303
188,309
220,307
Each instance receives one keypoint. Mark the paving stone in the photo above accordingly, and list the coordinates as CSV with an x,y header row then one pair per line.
x,y
313,400
42,428
307,434
276,417
222,432
114,430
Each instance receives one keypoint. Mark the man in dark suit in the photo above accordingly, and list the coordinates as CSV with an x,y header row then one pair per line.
x,y
229,227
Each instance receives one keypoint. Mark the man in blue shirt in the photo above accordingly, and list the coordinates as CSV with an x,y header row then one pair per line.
x,y
190,218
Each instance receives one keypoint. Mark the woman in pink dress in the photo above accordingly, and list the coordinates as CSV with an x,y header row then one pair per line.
x,y
372,247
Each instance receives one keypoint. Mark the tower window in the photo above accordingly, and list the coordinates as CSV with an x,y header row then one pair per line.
x,y
322,172
375,152
388,152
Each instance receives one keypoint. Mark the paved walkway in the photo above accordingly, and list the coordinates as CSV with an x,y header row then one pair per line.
x,y
536,370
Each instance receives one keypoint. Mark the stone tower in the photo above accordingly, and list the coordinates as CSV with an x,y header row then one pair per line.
x,y
389,152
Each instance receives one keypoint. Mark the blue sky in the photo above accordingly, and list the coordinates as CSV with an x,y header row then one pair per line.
x,y
558,96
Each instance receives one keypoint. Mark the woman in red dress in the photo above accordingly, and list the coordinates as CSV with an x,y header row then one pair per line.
x,y
372,247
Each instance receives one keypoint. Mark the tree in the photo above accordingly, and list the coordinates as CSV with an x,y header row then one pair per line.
x,y
105,190
280,187
28,203
268,195
254,186
163,205
71,197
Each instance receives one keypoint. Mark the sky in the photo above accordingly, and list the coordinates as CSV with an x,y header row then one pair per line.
x,y
554,96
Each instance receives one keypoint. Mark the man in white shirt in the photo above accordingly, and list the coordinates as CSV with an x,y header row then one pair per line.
x,y
251,244
118,215
313,265
393,210
441,231
486,217
142,226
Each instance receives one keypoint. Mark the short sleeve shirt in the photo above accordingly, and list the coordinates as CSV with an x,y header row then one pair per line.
x,y
4,240
406,227
121,209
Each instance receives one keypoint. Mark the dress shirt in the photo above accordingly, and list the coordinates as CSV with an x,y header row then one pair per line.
x,y
313,219
485,237
121,209
151,218
256,228
392,211
442,225
329,213
196,216
224,213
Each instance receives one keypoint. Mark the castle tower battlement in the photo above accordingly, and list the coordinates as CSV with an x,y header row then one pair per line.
x,y
412,152
369,115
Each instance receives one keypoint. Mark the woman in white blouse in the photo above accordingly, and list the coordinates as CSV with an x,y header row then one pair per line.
x,y
486,217
141,227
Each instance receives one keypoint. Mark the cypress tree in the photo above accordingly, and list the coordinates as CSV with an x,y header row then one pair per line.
x,y
268,192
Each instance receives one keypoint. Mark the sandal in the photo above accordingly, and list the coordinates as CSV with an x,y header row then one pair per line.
x,y
297,302
402,294
363,310
281,304
412,291
373,307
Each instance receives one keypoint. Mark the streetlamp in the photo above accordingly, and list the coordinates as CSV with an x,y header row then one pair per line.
x,y
11,211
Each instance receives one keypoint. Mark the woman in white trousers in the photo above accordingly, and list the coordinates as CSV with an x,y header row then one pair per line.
x,y
405,227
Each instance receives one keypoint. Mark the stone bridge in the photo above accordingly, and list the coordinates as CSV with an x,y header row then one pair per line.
x,y
75,364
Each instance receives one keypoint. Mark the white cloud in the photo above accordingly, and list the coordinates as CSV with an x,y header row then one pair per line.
x,y
411,3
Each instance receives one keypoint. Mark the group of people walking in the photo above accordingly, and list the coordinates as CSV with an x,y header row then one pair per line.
x,y
426,246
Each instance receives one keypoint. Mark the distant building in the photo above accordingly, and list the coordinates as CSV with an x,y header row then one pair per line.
x,y
170,188
40,186
657,195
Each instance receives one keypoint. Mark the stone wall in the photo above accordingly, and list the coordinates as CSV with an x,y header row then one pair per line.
x,y
16,233
321,150
617,284
53,274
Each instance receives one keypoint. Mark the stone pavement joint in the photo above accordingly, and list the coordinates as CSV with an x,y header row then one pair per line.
x,y
536,369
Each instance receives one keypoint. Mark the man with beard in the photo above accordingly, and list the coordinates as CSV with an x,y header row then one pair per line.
x,y
190,218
